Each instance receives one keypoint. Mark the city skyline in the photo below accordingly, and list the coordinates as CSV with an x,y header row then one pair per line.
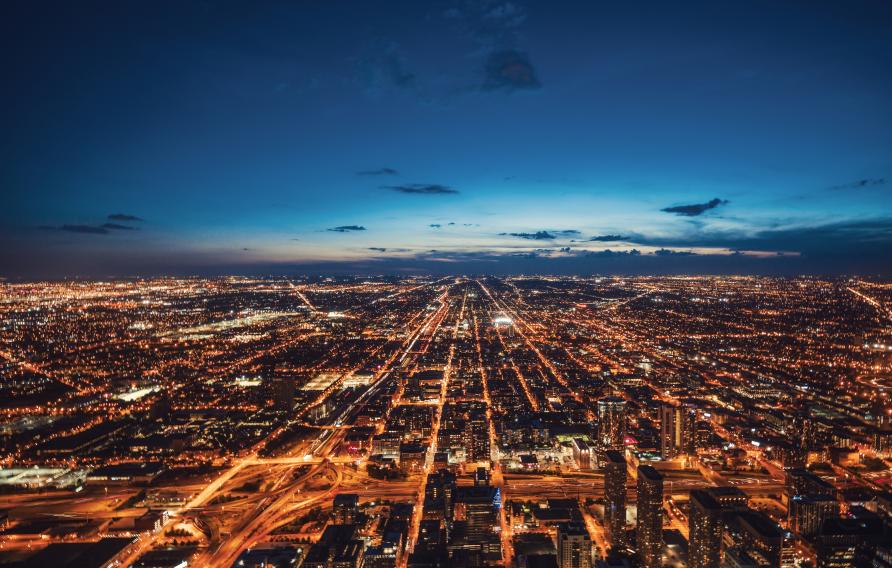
x,y
447,138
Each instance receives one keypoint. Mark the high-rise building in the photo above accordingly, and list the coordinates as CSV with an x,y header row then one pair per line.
x,y
574,546
611,422
669,432
678,430
649,529
283,392
346,508
705,530
764,540
615,497
477,436
807,513
479,506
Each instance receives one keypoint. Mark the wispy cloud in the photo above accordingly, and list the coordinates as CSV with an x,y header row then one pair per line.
x,y
607,238
84,229
544,235
537,236
695,209
118,227
378,172
346,228
421,188
124,217
860,184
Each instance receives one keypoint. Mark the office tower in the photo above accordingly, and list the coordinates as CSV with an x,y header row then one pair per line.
x,y
678,430
670,438
439,492
611,422
650,517
615,497
807,513
283,392
346,508
477,436
763,539
574,546
478,502
686,418
705,530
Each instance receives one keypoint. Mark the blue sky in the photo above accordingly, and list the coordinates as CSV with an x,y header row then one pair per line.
x,y
741,137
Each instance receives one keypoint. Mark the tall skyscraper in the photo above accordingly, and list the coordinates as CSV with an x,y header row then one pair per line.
x,y
807,513
678,430
477,436
669,431
611,422
574,546
649,529
705,530
283,392
615,497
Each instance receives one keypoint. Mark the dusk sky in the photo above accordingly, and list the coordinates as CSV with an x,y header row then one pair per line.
x,y
144,138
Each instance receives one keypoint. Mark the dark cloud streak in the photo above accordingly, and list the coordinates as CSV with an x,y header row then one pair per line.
x,y
695,209
422,189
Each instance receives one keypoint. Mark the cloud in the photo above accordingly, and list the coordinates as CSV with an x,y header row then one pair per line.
x,y
537,236
421,188
509,70
378,172
607,238
84,229
382,249
608,253
695,209
119,227
545,235
124,217
346,228
835,244
860,184
669,252
435,225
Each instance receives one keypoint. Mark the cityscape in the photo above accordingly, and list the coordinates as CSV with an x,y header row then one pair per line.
x,y
522,421
446,284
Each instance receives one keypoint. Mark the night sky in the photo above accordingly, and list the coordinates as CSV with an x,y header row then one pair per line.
x,y
178,137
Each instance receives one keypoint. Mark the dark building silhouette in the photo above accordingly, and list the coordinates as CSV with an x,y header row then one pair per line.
x,y
615,498
649,531
705,530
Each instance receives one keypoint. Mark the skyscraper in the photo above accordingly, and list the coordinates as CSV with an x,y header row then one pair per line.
x,y
574,546
611,422
705,530
669,432
650,517
283,392
477,436
615,497
678,430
